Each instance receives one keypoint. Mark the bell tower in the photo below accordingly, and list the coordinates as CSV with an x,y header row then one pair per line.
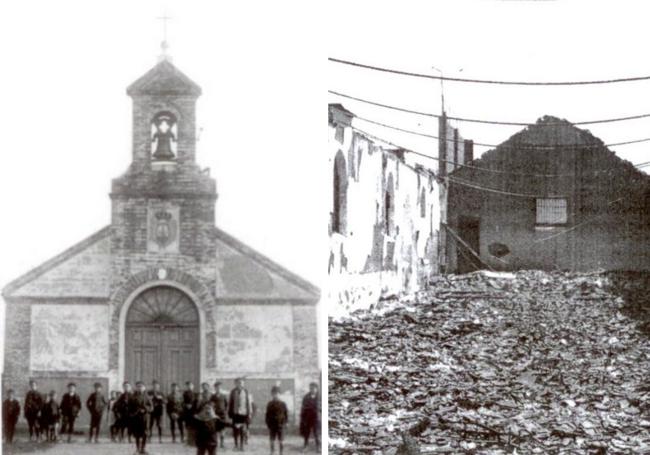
x,y
164,204
164,124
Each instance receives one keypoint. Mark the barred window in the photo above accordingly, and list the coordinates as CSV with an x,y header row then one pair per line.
x,y
551,211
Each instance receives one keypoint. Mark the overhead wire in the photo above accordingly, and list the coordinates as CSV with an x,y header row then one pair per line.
x,y
488,81
485,169
488,122
518,146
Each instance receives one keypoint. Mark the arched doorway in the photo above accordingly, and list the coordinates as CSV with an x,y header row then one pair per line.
x,y
162,337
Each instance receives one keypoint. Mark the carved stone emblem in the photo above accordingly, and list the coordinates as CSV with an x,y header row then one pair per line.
x,y
163,229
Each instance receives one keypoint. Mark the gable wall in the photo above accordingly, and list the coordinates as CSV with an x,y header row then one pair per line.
x,y
608,213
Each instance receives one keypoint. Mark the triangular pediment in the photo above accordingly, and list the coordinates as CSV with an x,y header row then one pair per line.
x,y
243,273
80,271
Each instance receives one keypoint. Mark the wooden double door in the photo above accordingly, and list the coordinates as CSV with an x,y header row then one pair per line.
x,y
167,354
162,338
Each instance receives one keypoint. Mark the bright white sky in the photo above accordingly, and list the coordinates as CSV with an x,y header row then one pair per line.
x,y
490,39
66,120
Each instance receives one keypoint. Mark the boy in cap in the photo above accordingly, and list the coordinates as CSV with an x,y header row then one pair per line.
x,y
50,416
190,401
33,406
205,396
310,415
96,404
158,403
175,412
220,405
207,425
10,415
139,408
70,407
121,410
277,416
240,411
114,413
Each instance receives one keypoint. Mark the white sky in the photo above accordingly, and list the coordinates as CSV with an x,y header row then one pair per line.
x,y
66,120
490,39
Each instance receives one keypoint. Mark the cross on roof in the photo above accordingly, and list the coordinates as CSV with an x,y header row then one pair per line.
x,y
164,18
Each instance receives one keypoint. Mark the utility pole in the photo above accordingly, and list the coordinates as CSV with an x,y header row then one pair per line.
x,y
442,180
442,89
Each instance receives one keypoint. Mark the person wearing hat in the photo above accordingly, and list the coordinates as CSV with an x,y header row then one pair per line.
x,y
70,407
33,406
50,416
10,415
240,411
175,412
310,415
220,405
96,404
121,411
207,426
205,396
190,398
158,402
277,416
139,409
113,410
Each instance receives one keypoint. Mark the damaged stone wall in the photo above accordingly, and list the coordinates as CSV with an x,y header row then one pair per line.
x,y
249,340
388,241
608,204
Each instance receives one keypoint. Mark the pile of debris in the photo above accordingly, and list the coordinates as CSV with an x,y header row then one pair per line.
x,y
531,362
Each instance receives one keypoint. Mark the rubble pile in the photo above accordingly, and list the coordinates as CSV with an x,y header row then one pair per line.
x,y
531,362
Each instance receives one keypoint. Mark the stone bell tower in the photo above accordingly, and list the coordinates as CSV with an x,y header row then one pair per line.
x,y
164,205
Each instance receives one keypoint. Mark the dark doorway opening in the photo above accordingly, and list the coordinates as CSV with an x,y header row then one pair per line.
x,y
469,232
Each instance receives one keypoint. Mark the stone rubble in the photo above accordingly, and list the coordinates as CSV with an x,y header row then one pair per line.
x,y
489,363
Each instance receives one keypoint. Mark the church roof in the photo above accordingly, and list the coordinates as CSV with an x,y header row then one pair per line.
x,y
244,272
164,79
84,271
79,271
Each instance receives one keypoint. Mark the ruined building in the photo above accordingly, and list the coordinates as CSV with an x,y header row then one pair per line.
x,y
385,212
552,197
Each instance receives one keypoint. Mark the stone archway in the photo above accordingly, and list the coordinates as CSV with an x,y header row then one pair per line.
x,y
126,294
162,337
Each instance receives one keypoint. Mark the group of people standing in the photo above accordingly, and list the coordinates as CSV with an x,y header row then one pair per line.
x,y
198,418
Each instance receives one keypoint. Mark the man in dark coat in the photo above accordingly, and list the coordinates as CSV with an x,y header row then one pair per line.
x,y
139,409
220,405
70,407
50,417
310,415
96,404
205,396
33,405
189,403
175,412
10,415
158,402
240,411
121,411
277,416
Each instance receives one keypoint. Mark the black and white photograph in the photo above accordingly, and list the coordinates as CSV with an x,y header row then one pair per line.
x,y
489,228
163,241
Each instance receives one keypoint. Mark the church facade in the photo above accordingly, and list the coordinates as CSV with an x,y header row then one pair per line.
x,y
162,293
